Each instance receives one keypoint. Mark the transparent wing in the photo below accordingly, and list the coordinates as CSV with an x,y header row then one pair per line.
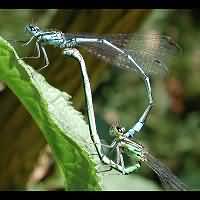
x,y
168,179
151,52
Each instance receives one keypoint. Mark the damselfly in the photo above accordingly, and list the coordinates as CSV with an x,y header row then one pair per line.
x,y
144,54
123,145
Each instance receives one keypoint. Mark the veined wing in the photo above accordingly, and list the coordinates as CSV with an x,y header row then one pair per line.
x,y
151,52
168,179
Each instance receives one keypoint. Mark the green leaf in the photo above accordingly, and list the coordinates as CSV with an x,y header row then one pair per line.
x,y
63,127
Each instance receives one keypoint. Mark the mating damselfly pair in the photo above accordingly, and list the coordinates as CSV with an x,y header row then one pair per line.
x,y
146,55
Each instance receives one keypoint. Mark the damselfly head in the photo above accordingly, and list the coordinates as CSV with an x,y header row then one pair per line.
x,y
121,130
117,131
32,29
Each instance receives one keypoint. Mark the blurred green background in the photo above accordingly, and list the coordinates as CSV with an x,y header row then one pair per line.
x,y
172,130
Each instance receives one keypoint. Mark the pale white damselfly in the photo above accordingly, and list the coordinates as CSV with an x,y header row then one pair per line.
x,y
144,54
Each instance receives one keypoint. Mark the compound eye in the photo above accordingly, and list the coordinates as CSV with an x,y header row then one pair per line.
x,y
34,28
123,130
118,128
37,29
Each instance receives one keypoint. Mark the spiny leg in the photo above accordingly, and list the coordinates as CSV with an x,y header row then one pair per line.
x,y
112,146
110,168
37,46
45,57
120,162
120,166
120,159
29,41
132,168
